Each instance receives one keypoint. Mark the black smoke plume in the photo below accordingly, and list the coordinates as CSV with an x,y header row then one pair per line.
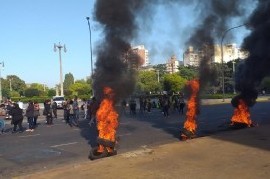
x,y
117,17
256,66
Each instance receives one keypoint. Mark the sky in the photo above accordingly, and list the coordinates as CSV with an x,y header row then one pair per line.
x,y
29,29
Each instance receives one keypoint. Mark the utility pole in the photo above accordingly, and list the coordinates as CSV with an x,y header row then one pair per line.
x,y
10,87
60,60
2,65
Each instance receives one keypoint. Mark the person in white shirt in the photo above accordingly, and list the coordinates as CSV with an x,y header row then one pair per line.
x,y
20,104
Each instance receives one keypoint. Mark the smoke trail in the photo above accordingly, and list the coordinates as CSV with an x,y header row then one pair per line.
x,y
119,23
216,15
250,73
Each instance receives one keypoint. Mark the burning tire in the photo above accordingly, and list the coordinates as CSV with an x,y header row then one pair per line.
x,y
94,154
105,142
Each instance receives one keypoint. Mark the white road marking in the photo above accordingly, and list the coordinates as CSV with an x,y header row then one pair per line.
x,y
54,146
124,134
29,135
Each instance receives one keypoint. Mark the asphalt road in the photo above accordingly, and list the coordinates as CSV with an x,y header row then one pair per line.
x,y
60,144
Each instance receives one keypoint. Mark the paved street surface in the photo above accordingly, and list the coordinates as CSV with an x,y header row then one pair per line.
x,y
141,138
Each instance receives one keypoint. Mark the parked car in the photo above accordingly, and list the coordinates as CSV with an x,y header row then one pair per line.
x,y
59,101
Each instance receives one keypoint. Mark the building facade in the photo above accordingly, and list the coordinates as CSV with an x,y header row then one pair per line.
x,y
172,65
231,52
143,54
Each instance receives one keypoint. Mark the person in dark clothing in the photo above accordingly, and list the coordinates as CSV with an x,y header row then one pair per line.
x,y
54,109
36,112
181,105
30,116
94,105
17,117
65,103
48,112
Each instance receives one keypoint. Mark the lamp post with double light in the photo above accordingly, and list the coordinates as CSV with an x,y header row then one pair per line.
x,y
60,60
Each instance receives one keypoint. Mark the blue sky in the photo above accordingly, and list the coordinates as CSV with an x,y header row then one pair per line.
x,y
29,29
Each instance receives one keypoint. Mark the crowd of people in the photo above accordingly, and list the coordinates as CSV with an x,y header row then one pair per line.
x,y
146,104
88,108
71,113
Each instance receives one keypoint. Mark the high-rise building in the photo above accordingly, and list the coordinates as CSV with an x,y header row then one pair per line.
x,y
172,65
231,52
143,54
191,57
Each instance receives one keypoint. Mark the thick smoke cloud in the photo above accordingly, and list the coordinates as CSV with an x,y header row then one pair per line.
x,y
118,20
250,73
215,15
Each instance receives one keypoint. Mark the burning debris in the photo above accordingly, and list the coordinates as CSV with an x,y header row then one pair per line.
x,y
241,116
107,123
190,124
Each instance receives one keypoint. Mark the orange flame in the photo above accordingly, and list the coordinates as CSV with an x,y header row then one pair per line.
x,y
241,114
107,118
190,123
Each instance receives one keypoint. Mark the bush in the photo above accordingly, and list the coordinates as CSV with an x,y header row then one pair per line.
x,y
26,99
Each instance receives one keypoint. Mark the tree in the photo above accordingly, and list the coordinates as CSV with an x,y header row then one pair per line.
x,y
80,88
173,82
188,72
147,82
51,92
68,81
31,92
16,83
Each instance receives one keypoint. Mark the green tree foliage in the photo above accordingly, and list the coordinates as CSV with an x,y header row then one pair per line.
x,y
68,81
265,84
80,88
51,92
30,92
173,82
147,82
188,72
14,94
16,83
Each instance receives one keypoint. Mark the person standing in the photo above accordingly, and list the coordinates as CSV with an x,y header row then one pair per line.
x,y
93,109
71,114
30,116
48,112
17,117
76,110
54,109
36,113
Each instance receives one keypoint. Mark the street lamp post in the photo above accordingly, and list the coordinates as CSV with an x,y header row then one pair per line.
x,y
233,62
2,65
90,34
60,60
222,63
10,87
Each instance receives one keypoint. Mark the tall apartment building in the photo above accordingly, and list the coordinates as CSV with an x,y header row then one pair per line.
x,y
143,54
231,52
172,65
191,57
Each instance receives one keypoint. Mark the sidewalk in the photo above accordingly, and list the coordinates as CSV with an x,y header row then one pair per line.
x,y
232,154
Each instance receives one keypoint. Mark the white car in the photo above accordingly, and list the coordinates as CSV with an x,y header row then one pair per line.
x,y
59,101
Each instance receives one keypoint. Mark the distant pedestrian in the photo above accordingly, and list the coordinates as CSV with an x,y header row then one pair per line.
x,y
94,105
17,118
123,106
71,114
36,113
181,105
30,116
54,109
76,110
48,112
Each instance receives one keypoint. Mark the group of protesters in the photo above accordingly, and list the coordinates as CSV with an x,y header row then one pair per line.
x,y
146,104
71,112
